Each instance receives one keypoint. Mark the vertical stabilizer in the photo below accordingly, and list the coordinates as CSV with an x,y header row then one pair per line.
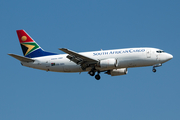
x,y
29,47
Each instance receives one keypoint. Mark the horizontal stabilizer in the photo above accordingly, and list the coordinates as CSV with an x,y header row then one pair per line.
x,y
21,58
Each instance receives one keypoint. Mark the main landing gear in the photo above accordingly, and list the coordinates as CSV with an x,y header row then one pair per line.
x,y
92,73
154,66
98,77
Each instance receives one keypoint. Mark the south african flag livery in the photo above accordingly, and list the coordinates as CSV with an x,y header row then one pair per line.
x,y
29,47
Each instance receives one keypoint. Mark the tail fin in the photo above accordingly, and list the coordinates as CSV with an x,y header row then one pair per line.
x,y
29,47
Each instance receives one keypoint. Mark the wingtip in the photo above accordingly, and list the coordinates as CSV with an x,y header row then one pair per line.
x,y
62,48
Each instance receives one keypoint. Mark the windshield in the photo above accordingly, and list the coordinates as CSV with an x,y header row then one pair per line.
x,y
160,51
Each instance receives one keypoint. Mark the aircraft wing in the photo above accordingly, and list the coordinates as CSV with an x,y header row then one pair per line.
x,y
78,58
21,58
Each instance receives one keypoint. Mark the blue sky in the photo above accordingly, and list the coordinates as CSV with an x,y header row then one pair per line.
x,y
27,93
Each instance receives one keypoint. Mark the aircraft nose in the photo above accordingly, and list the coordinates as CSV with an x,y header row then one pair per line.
x,y
169,56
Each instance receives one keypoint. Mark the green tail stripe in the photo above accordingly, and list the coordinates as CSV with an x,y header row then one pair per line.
x,y
30,49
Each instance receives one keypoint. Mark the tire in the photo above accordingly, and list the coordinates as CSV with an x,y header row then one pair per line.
x,y
98,77
92,73
154,70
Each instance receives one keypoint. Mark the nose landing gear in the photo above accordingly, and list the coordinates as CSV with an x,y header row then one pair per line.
x,y
154,70
154,66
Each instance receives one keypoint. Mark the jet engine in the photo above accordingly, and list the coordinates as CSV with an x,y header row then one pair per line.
x,y
107,63
116,72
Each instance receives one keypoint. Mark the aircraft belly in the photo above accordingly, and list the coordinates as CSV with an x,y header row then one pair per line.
x,y
34,65
71,68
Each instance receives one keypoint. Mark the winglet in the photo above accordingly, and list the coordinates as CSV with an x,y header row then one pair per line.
x,y
21,58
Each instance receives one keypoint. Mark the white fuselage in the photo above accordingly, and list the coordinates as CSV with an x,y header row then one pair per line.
x,y
126,58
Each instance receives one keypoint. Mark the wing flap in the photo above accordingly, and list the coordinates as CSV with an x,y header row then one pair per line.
x,y
21,58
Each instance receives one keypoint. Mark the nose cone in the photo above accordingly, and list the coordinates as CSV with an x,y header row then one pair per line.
x,y
169,56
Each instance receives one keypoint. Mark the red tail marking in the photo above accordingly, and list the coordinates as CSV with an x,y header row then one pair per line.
x,y
23,36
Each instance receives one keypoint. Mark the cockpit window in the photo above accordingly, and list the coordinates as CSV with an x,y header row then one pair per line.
x,y
160,51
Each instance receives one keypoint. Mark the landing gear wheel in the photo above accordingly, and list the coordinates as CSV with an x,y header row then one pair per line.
x,y
98,77
154,70
92,73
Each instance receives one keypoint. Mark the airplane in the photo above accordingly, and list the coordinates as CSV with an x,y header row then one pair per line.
x,y
112,62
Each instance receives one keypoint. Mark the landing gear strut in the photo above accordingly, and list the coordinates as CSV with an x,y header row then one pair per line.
x,y
154,66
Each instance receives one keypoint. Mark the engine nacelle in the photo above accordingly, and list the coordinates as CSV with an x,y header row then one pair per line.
x,y
116,72
108,63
